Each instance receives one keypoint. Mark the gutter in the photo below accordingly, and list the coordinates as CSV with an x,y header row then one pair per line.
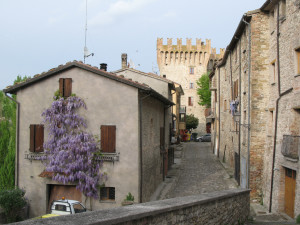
x,y
17,140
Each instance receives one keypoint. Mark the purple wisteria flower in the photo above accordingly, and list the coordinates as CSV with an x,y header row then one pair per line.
x,y
70,150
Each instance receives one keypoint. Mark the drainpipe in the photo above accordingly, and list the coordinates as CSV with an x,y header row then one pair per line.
x,y
17,140
240,105
164,153
249,83
219,139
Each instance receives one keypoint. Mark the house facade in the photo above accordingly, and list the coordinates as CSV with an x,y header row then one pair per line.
x,y
165,87
185,64
128,117
255,94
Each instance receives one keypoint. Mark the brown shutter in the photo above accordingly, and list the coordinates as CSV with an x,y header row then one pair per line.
x,y
39,138
31,145
112,139
68,87
108,139
61,86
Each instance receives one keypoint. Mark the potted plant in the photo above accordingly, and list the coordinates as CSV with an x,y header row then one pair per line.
x,y
129,200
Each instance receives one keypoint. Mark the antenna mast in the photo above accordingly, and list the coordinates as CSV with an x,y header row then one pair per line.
x,y
86,51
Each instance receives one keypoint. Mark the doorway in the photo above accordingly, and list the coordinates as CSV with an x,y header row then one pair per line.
x,y
290,189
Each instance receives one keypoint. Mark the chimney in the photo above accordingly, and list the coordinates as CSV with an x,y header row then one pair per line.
x,y
124,60
103,66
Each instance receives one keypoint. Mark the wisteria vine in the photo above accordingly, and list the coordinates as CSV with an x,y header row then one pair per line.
x,y
71,152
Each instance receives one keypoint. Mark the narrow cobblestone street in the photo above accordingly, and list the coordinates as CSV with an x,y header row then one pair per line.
x,y
196,170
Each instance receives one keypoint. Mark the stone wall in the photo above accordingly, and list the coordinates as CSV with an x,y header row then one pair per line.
x,y
152,121
223,207
289,105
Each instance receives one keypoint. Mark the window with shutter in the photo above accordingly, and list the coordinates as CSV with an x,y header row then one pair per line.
x,y
108,139
107,193
65,87
36,138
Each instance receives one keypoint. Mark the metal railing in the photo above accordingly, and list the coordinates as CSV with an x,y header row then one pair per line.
x,y
291,146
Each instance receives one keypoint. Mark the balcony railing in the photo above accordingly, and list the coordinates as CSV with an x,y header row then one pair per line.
x,y
291,146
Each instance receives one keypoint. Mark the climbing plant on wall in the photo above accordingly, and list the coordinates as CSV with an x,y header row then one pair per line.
x,y
71,152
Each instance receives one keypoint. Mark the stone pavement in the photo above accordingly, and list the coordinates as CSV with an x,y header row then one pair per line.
x,y
196,171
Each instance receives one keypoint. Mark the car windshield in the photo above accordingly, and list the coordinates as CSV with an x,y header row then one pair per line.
x,y
78,208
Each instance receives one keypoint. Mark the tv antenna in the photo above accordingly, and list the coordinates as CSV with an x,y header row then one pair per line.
x,y
86,51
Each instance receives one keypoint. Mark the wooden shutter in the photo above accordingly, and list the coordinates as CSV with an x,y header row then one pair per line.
x,y
61,87
67,87
108,139
39,138
32,133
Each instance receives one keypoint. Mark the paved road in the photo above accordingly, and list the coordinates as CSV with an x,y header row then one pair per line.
x,y
198,171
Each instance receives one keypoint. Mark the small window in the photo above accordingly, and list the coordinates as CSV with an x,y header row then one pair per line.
x,y
273,71
225,105
65,87
298,60
108,139
191,85
191,70
36,138
107,193
191,101
216,98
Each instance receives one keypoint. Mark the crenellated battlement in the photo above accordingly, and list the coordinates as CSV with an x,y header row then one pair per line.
x,y
188,54
200,46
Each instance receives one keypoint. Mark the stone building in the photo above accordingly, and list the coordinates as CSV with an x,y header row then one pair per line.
x,y
255,96
129,117
185,64
282,181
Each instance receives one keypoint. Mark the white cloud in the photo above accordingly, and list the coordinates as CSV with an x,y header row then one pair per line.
x,y
117,9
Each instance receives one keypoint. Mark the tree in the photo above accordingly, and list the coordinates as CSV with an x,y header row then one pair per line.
x,y
203,91
71,152
191,122
8,138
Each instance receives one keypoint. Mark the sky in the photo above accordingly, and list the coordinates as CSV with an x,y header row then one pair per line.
x,y
37,35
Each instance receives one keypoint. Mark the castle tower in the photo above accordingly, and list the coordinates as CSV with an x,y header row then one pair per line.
x,y
185,64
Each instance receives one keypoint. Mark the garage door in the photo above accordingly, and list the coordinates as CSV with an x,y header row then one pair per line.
x,y
56,192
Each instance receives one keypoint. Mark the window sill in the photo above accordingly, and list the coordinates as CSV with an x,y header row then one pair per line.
x,y
109,157
273,83
34,156
297,75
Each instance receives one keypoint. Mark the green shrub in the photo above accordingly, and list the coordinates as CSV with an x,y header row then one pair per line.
x,y
129,197
12,201
298,219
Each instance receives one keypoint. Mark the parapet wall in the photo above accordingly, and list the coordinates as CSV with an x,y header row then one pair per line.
x,y
222,207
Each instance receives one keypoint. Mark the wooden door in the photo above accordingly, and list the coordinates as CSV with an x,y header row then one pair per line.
x,y
290,187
